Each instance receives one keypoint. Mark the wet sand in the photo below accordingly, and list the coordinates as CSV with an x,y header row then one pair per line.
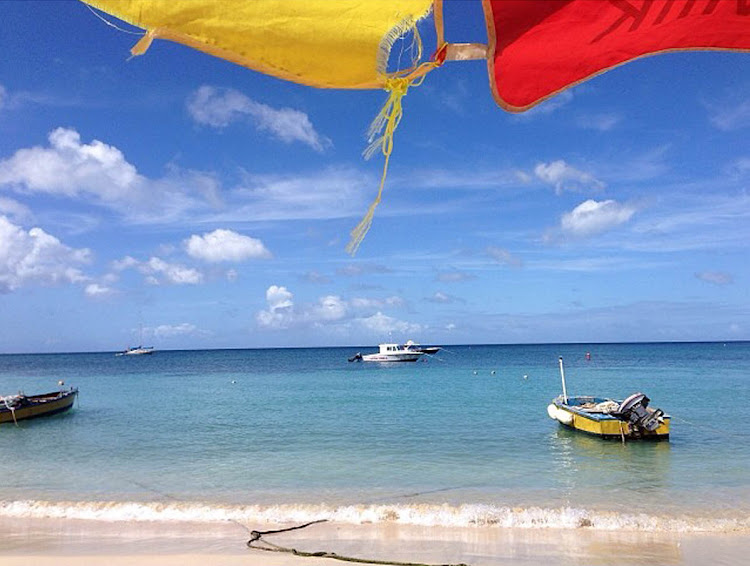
x,y
65,542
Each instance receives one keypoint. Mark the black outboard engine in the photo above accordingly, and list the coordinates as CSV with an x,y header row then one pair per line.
x,y
633,410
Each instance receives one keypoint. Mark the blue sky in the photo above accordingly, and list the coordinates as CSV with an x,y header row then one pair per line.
x,y
197,204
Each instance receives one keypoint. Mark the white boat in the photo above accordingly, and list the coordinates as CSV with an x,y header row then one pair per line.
x,y
137,351
390,353
414,347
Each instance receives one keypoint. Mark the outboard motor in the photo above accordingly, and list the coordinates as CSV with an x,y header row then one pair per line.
x,y
633,410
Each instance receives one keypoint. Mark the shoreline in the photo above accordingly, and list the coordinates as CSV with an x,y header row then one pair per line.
x,y
66,542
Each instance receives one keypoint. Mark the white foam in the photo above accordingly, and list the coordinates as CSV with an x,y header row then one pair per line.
x,y
475,515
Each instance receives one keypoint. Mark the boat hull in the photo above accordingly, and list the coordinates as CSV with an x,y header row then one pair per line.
x,y
602,425
35,406
407,357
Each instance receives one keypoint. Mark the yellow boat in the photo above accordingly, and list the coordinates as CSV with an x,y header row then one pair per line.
x,y
14,408
630,419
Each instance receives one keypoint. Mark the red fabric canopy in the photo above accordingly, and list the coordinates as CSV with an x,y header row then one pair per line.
x,y
540,47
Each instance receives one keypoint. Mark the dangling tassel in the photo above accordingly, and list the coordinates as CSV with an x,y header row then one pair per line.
x,y
143,44
386,121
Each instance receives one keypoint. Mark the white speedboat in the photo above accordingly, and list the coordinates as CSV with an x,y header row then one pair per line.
x,y
414,347
390,353
137,351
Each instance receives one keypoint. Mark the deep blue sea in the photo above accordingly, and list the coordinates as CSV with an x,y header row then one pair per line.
x,y
462,438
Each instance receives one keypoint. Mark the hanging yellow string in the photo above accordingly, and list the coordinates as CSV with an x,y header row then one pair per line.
x,y
386,122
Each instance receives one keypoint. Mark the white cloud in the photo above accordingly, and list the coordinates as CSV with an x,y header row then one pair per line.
x,y
170,331
14,209
330,308
363,303
36,257
599,122
454,276
443,298
566,178
503,256
225,245
218,107
382,325
336,192
125,263
715,277
280,312
594,217
96,290
330,311
3,96
732,113
160,271
99,173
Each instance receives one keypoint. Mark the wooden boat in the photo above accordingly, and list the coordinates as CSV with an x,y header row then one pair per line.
x,y
14,408
630,419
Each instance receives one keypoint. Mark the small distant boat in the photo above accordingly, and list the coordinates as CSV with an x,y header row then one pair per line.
x,y
630,419
389,353
137,351
14,408
414,347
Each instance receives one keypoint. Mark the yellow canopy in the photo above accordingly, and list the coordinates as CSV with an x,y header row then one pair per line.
x,y
343,44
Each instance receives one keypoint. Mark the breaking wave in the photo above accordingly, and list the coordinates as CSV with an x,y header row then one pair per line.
x,y
473,515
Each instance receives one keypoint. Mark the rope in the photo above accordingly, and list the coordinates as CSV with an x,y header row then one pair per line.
x,y
257,536
9,402
110,24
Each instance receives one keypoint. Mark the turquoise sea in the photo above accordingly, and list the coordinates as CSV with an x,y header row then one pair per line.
x,y
293,435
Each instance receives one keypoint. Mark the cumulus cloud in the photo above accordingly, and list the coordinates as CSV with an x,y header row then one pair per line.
x,y
329,308
36,257
14,209
566,178
158,272
225,245
331,311
715,277
218,107
594,217
97,290
99,173
280,312
503,256
383,325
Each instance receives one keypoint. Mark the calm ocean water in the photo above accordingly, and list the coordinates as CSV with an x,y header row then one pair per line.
x,y
461,439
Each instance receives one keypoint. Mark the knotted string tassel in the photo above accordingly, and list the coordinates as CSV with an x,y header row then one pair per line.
x,y
386,122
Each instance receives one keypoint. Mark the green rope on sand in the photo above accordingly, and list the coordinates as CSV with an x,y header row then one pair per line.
x,y
257,536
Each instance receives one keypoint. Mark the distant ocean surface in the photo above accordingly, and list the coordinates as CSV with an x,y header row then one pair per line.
x,y
294,435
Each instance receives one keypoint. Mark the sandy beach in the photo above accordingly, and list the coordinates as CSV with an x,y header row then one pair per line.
x,y
67,542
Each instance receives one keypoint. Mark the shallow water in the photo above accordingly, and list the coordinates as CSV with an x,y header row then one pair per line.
x,y
461,439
